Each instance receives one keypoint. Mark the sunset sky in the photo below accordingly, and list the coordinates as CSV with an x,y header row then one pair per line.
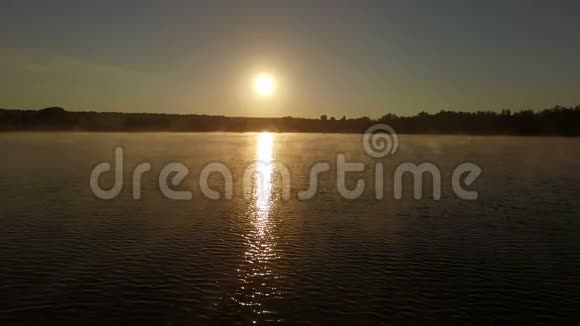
x,y
353,58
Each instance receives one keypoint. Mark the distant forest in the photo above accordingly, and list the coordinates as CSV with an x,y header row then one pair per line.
x,y
558,120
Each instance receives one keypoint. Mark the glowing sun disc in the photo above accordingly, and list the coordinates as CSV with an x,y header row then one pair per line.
x,y
265,84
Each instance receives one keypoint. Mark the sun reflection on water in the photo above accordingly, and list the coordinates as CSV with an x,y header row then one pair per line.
x,y
263,180
256,272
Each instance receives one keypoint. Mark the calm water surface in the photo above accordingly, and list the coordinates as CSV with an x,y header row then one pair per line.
x,y
67,256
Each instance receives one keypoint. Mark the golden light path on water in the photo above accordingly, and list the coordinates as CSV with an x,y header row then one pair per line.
x,y
256,273
263,180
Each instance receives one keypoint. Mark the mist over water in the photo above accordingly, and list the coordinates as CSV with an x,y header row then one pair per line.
x,y
512,255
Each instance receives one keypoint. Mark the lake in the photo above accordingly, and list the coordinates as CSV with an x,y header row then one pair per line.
x,y
68,256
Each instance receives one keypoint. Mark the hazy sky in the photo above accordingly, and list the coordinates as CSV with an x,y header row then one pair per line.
x,y
352,58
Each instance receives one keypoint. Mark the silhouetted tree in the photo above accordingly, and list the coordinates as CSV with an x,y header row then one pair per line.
x,y
55,110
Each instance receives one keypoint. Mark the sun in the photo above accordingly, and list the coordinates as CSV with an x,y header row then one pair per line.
x,y
265,84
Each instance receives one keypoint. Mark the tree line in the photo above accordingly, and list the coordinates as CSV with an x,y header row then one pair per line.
x,y
563,121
